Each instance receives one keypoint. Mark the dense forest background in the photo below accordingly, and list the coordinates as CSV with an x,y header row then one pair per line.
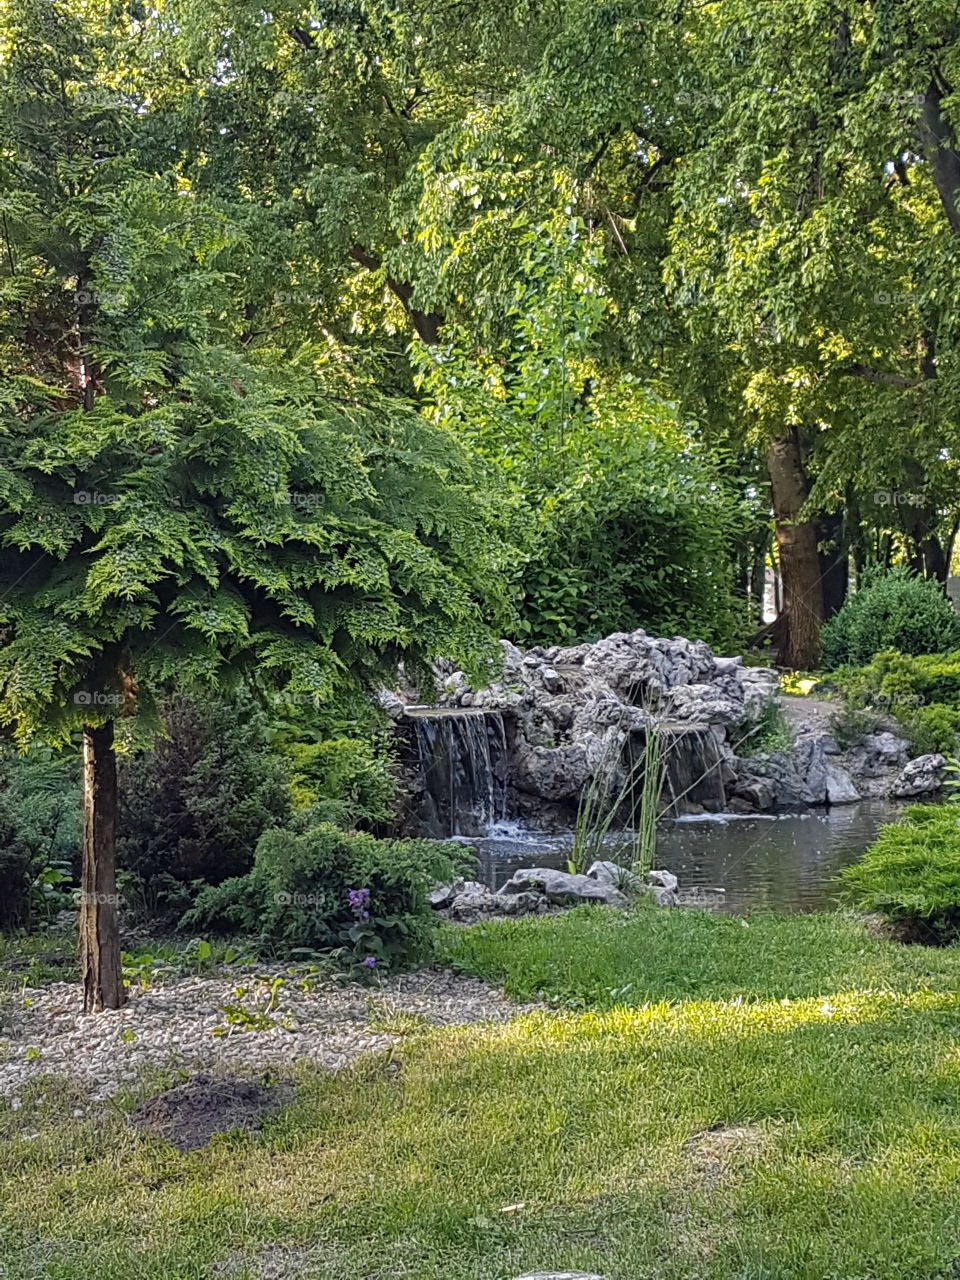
x,y
607,334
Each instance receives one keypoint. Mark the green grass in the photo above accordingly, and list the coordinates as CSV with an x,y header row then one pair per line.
x,y
787,1106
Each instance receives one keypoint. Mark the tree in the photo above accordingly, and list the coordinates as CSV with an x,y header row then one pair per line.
x,y
178,506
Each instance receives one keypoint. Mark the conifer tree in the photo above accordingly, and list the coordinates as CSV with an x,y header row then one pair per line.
x,y
178,502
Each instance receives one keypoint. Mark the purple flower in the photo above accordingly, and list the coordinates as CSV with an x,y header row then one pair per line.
x,y
369,963
358,899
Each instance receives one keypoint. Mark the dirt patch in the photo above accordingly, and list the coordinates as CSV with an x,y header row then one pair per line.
x,y
712,1152
188,1115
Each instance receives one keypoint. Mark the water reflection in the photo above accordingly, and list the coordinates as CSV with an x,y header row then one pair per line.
x,y
785,863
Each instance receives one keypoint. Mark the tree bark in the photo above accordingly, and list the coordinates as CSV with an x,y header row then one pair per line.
x,y
799,623
99,929
940,147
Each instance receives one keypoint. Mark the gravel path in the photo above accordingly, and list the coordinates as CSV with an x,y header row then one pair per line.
x,y
176,1025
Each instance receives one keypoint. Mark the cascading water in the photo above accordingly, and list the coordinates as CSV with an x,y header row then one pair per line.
x,y
693,777
461,760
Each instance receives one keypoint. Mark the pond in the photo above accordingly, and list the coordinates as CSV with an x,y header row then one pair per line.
x,y
782,863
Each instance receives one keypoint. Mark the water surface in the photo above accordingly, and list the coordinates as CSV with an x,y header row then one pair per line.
x,y
783,863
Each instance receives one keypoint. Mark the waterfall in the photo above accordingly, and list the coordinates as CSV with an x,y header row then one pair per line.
x,y
461,758
694,770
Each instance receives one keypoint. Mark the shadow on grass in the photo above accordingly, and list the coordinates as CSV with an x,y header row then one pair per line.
x,y
801,1139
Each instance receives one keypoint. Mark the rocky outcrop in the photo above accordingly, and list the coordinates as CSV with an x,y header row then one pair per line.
x,y
571,720
574,710
563,889
919,777
537,890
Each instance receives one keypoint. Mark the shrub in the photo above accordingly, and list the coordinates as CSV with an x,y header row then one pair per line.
x,y
911,875
320,888
39,833
194,806
932,728
894,610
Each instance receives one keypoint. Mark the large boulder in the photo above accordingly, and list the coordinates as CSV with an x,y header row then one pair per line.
x,y
562,888
919,777
840,787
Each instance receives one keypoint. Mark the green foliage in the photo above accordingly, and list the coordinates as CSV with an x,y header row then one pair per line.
x,y
320,888
893,610
180,502
921,694
932,728
627,518
194,806
340,766
39,834
768,732
911,875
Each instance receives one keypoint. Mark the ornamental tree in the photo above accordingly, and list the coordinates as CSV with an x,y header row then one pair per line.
x,y
182,500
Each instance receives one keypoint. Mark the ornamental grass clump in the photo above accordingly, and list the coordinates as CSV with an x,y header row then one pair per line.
x,y
911,876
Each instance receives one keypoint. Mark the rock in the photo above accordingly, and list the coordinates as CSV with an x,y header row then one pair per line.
x,y
562,888
665,898
919,776
441,896
620,877
663,879
840,788
756,795
391,703
553,773
779,768
473,900
521,904
876,752
552,682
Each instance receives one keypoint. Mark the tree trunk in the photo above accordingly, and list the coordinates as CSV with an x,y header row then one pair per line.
x,y
799,630
99,931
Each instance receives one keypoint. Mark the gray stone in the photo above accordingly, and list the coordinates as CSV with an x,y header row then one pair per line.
x,y
663,879
919,776
840,788
562,888
473,900
441,896
552,682
757,794
620,877
560,1275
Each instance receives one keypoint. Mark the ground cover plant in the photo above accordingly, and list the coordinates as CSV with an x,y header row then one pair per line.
x,y
779,1103
911,875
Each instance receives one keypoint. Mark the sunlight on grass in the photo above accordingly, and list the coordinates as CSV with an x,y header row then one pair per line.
x,y
712,1137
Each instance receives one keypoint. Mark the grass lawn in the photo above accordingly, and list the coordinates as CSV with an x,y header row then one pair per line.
x,y
766,1100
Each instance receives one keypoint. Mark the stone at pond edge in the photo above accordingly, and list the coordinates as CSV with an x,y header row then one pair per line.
x,y
442,895
919,776
840,788
563,888
619,877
